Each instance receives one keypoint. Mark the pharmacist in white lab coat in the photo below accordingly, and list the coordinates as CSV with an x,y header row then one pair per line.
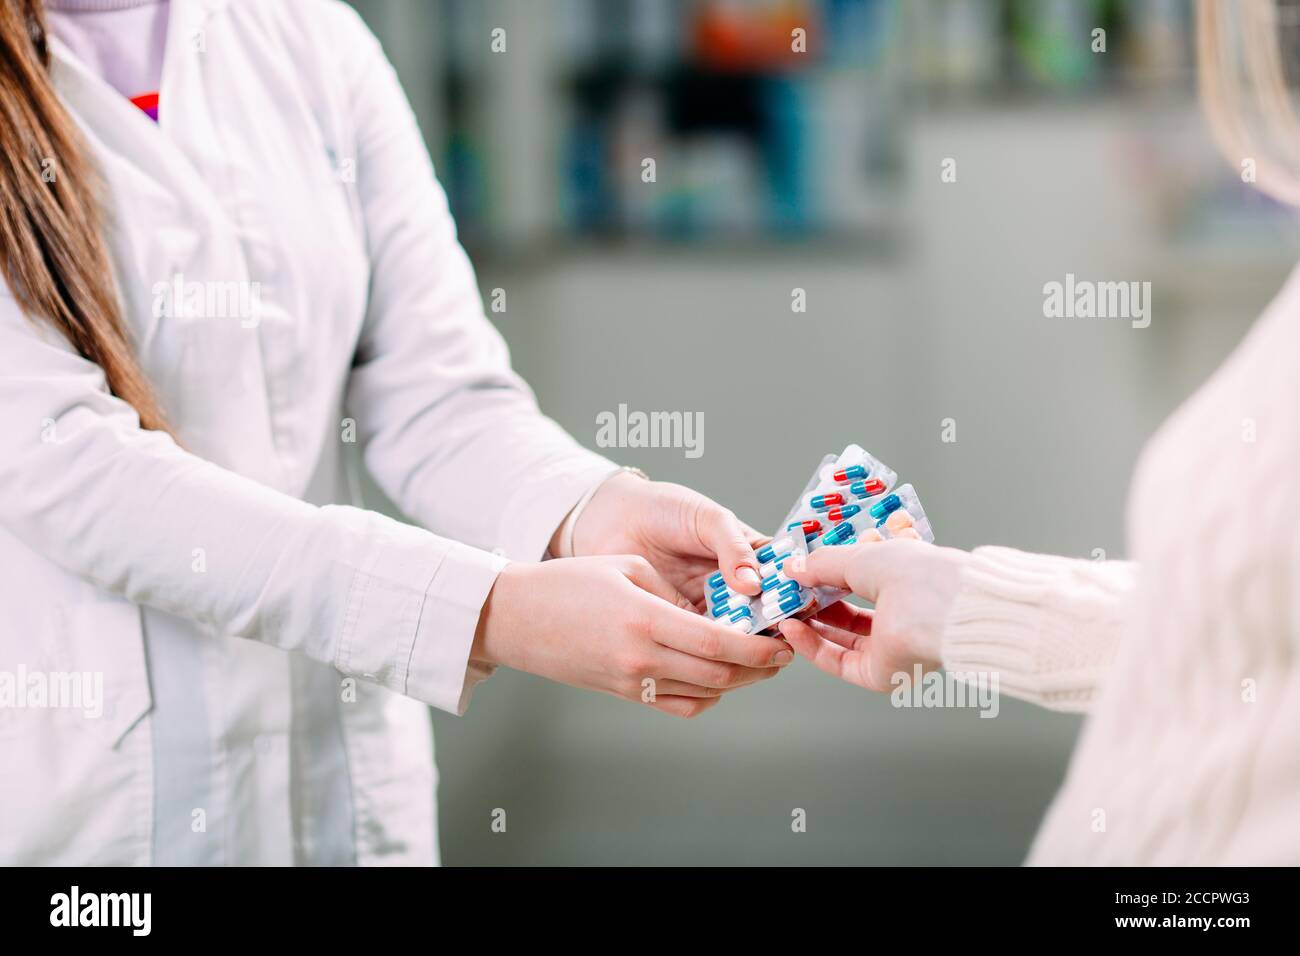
x,y
204,657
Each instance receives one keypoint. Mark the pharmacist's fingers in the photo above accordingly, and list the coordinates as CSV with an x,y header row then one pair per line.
x,y
687,707
722,533
643,574
700,637
722,675
676,688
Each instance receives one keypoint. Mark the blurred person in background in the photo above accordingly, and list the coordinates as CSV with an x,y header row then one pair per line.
x,y
226,257
1187,658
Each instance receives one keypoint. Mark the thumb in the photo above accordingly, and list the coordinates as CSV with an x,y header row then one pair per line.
x,y
722,533
850,567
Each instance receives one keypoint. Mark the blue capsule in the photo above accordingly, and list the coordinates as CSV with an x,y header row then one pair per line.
x,y
720,596
780,594
781,588
775,564
823,502
724,609
741,613
792,603
867,489
765,554
772,581
884,507
838,534
716,580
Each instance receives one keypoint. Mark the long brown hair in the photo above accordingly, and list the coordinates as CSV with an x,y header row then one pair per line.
x,y
52,250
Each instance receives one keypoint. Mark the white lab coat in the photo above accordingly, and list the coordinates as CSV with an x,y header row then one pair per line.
x,y
219,588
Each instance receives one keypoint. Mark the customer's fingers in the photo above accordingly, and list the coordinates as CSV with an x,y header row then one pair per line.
x,y
845,639
853,666
846,617
852,567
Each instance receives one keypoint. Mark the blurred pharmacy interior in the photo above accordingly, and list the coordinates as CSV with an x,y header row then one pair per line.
x,y
820,170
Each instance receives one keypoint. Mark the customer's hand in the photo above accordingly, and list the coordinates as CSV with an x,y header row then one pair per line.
x,y
684,535
911,584
613,624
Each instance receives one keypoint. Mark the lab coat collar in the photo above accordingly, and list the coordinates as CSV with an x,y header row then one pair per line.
x,y
90,96
112,122
185,20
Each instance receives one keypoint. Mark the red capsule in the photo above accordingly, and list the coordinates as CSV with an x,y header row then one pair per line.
x,y
811,526
842,514
820,502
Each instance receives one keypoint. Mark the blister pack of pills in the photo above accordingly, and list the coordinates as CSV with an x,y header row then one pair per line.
x,y
850,498
780,598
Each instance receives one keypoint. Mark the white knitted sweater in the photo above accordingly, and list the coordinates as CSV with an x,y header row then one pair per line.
x,y
1187,660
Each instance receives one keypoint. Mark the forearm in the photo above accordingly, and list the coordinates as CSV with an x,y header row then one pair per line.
x,y
484,467
130,512
1048,626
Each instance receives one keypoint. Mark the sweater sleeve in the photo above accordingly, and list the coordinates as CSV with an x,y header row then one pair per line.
x,y
1048,626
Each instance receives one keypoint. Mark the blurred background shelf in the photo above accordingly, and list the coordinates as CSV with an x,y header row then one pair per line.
x,y
544,140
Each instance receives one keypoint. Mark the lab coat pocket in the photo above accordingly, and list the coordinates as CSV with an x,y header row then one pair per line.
x,y
107,636
76,758
82,671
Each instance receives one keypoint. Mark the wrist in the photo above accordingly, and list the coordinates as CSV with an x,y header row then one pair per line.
x,y
587,522
492,635
945,579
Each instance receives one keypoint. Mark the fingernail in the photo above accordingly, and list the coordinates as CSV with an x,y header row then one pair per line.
x,y
781,658
747,575
796,563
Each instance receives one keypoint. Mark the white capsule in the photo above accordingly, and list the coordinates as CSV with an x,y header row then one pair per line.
x,y
745,625
732,597
773,599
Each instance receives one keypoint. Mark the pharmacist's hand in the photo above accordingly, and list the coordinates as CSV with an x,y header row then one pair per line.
x,y
911,583
684,535
613,624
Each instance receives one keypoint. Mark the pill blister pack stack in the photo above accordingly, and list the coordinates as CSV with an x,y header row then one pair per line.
x,y
850,498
